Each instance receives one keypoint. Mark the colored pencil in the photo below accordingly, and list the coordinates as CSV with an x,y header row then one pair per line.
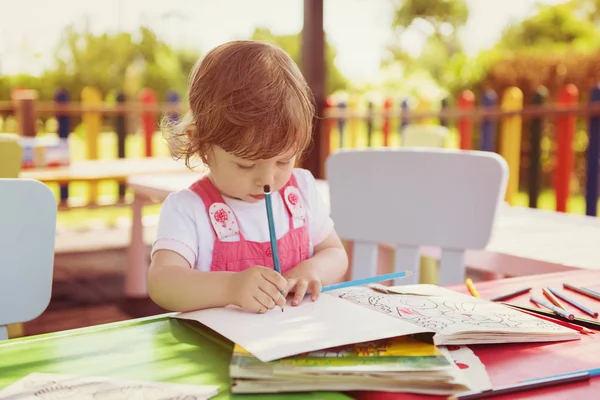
x,y
552,298
510,295
575,304
588,323
591,290
524,386
549,306
364,281
580,329
593,373
471,287
272,235
586,292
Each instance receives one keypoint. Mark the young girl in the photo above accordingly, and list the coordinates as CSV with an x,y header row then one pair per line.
x,y
250,118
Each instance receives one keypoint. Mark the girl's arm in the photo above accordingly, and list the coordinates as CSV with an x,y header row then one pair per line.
x,y
173,285
328,265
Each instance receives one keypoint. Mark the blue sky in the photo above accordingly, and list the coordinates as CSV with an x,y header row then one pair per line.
x,y
358,28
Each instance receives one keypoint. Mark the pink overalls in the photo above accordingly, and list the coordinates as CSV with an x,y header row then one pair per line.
x,y
239,255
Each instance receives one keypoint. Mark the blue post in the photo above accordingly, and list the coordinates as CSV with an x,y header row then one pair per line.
x,y
173,99
405,120
488,126
121,131
341,123
593,156
62,97
370,124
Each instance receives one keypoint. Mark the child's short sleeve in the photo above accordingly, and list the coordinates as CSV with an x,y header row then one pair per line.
x,y
320,223
177,228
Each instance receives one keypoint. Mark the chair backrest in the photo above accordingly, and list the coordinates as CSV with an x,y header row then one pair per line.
x,y
28,211
415,135
414,197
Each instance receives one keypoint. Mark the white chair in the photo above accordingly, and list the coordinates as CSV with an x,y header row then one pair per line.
x,y
28,212
414,197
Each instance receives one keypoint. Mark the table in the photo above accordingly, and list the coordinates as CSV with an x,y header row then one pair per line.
x,y
98,170
524,241
155,349
162,349
535,359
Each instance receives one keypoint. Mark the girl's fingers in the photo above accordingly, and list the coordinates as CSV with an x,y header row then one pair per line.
x,y
291,284
300,291
315,289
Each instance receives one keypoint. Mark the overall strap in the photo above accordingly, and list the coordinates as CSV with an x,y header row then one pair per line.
x,y
293,201
221,216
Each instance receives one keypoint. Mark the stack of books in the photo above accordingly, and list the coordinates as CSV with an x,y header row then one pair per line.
x,y
404,364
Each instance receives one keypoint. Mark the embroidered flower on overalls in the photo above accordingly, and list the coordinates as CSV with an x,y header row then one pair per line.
x,y
221,216
293,198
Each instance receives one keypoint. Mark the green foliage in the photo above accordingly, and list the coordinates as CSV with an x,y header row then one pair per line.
x,y
109,62
557,27
292,44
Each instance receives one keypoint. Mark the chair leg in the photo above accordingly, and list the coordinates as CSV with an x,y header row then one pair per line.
x,y
3,333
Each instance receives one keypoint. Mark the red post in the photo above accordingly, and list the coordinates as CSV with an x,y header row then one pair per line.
x,y
387,107
565,156
466,101
148,98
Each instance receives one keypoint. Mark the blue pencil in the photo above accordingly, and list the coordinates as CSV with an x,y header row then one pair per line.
x,y
273,236
593,372
364,281
574,303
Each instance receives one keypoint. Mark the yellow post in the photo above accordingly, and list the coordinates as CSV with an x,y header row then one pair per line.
x,y
353,122
92,120
423,106
510,140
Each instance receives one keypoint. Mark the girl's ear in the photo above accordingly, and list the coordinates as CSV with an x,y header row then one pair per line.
x,y
189,130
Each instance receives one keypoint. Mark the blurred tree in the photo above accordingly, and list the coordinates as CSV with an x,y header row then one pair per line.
x,y
105,61
291,44
565,26
439,21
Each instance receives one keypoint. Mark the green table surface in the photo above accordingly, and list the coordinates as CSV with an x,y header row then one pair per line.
x,y
159,349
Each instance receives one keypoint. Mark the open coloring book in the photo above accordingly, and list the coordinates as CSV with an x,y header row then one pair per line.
x,y
361,314
456,318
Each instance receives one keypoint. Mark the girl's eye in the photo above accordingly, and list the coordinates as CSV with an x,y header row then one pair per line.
x,y
240,166
282,163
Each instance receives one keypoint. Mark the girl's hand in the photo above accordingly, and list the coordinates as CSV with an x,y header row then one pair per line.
x,y
258,289
303,279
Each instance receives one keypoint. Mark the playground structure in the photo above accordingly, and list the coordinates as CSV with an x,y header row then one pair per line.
x,y
495,122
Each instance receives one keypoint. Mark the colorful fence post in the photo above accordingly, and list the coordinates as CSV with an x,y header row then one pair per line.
x,y
593,156
353,121
387,108
91,97
510,143
61,97
535,166
121,131
466,101
488,125
148,98
341,123
444,106
565,156
405,120
25,111
173,100
370,118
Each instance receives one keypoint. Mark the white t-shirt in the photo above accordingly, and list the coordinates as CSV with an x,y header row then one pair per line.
x,y
184,226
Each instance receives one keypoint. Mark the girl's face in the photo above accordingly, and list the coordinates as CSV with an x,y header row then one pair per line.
x,y
244,179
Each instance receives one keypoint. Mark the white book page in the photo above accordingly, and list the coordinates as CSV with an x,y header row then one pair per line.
x,y
449,312
56,386
330,321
